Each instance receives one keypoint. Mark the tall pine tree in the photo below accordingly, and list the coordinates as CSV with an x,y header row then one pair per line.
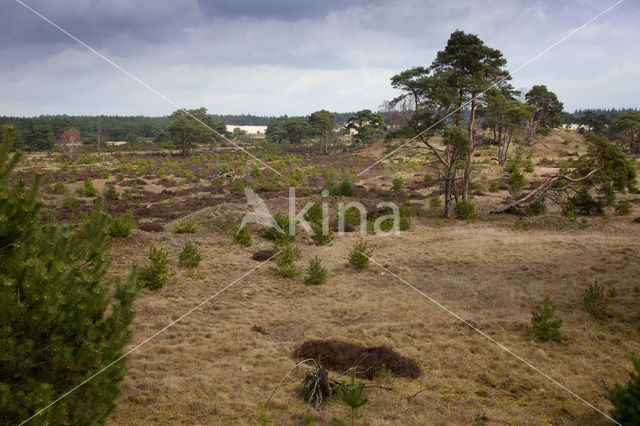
x,y
60,319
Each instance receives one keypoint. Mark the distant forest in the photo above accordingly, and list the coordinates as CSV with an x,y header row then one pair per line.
x,y
609,112
43,131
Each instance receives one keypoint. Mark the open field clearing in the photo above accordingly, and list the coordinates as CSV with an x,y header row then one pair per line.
x,y
220,363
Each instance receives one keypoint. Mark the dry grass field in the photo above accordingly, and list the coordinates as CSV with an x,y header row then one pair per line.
x,y
219,364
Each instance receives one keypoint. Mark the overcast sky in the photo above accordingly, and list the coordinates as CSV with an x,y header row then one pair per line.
x,y
295,56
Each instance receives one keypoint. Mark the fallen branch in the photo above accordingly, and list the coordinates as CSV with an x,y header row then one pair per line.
x,y
287,375
541,190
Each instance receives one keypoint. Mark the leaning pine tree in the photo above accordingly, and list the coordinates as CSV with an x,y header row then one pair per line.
x,y
61,321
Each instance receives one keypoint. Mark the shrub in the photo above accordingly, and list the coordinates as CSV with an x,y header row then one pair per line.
x,y
434,202
314,213
517,182
493,187
59,316
465,210
584,204
188,176
60,188
155,275
319,237
352,394
71,203
276,235
110,192
544,326
405,223
121,226
528,166
623,208
536,208
359,256
523,224
428,178
87,189
185,227
345,188
626,399
242,236
316,273
396,184
352,216
189,256
595,301
285,261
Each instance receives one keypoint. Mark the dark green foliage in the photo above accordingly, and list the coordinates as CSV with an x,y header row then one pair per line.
x,y
465,210
314,213
345,188
242,236
595,301
185,227
405,223
536,208
285,261
584,204
71,203
60,319
319,236
548,111
155,275
189,256
396,184
626,399
352,216
517,181
352,394
110,192
359,256
543,325
87,189
276,235
623,208
288,129
493,187
122,226
316,273
189,127
60,188
368,126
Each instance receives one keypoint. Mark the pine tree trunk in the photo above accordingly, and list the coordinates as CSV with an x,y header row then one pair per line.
x,y
448,186
467,168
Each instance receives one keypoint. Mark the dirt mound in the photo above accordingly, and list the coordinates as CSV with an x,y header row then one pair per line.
x,y
263,255
133,182
368,361
151,227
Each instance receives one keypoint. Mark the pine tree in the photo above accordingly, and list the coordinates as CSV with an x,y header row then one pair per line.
x,y
626,399
61,321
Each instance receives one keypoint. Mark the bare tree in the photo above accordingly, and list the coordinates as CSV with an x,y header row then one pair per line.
x,y
70,142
